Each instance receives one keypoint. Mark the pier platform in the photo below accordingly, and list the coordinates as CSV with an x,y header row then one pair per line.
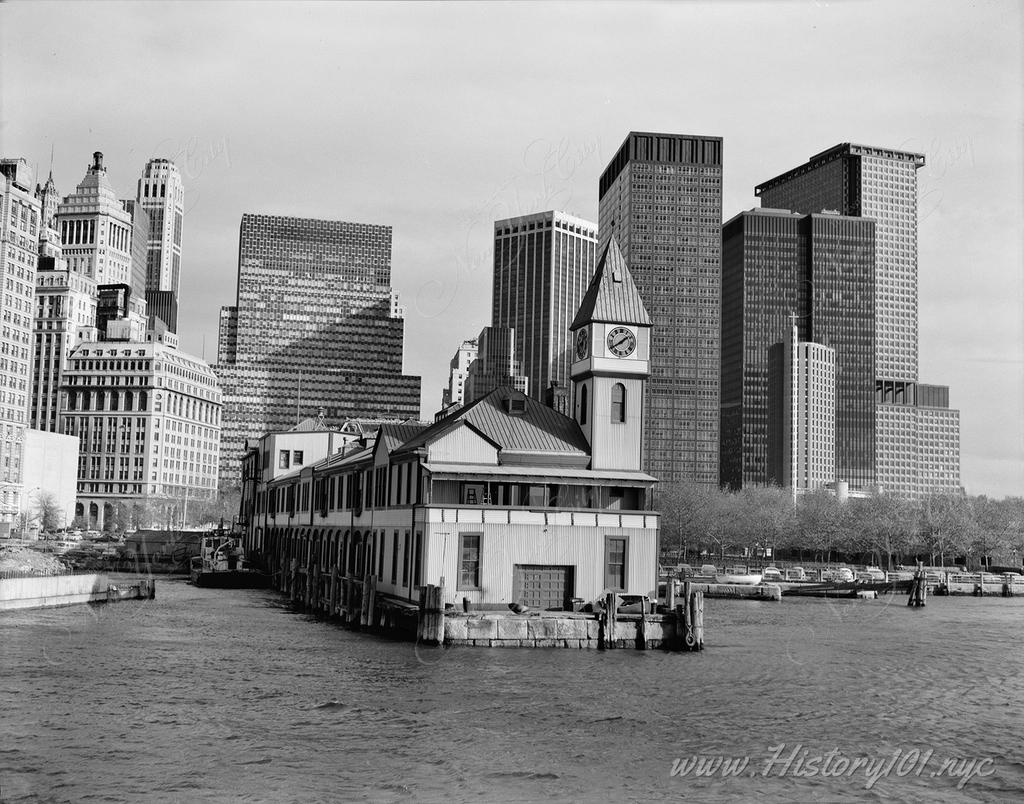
x,y
44,591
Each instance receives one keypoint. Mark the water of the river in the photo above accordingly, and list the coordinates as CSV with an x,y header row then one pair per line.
x,y
214,695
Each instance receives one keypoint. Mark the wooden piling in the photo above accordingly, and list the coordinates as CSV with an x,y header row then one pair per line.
x,y
918,588
333,608
611,616
697,619
430,628
670,594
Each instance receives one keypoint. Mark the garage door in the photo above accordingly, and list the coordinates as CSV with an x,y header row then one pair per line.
x,y
543,587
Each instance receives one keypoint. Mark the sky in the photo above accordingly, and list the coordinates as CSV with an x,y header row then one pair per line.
x,y
439,119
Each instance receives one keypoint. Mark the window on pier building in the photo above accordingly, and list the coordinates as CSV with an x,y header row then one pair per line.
x,y
469,561
283,460
297,457
406,545
615,562
618,411
583,405
394,558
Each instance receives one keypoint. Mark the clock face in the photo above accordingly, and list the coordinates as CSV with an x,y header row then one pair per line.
x,y
582,343
621,342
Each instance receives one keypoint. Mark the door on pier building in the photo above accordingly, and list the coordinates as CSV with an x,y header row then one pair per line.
x,y
544,586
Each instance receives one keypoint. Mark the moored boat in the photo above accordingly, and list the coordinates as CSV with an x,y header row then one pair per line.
x,y
221,563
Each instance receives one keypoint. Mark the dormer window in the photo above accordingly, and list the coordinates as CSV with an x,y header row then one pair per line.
x,y
517,405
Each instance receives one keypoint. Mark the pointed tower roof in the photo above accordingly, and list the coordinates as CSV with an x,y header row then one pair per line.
x,y
612,296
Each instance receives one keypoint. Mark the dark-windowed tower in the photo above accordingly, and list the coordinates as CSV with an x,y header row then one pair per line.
x,y
661,199
820,269
543,264
917,441
315,326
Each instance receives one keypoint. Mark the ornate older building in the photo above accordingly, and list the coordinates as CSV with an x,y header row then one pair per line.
x,y
161,195
148,418
20,222
95,229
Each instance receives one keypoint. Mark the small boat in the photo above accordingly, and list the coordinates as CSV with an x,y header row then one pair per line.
x,y
221,564
738,576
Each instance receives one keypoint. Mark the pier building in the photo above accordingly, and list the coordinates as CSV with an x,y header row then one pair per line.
x,y
503,501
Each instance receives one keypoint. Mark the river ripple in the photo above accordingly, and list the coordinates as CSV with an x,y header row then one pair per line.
x,y
228,695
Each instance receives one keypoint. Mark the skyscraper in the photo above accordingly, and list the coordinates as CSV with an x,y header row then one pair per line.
x,y
821,269
20,220
162,195
543,264
881,184
454,394
314,325
661,198
95,229
801,414
495,365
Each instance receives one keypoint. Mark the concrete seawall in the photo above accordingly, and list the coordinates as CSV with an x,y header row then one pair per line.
x,y
550,630
68,590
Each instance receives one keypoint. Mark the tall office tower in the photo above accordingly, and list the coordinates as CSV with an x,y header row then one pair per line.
x,y
458,369
64,303
20,221
495,365
661,198
49,199
312,327
95,229
148,419
881,184
801,414
162,195
820,268
140,245
543,264
919,440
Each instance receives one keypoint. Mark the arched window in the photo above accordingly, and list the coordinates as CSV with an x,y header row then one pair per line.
x,y
618,403
72,401
142,400
129,400
583,404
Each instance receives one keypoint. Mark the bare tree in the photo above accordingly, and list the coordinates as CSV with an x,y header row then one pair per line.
x,y
48,511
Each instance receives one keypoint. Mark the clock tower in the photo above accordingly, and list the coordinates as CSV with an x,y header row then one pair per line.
x,y
611,341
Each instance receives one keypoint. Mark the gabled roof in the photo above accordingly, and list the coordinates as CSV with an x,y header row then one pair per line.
x,y
311,424
537,428
394,435
612,296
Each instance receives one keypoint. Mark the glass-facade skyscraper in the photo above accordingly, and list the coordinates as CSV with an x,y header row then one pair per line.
x,y
314,326
820,269
661,198
543,264
881,184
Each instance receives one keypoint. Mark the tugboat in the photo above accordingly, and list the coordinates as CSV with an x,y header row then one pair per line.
x,y
221,564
